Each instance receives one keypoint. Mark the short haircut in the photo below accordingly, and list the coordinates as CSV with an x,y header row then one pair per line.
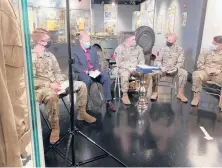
x,y
218,39
38,33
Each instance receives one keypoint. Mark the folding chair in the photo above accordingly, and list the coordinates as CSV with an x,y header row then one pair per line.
x,y
169,82
206,87
118,83
61,96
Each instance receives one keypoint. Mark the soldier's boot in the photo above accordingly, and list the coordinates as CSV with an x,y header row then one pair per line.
x,y
84,116
196,99
181,95
125,99
55,132
154,95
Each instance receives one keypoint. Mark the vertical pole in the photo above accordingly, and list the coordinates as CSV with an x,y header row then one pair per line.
x,y
70,81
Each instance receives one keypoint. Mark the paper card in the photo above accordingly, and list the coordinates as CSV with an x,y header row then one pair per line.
x,y
94,74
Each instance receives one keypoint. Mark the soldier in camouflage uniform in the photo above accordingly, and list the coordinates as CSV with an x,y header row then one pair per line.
x,y
128,55
209,68
170,60
48,78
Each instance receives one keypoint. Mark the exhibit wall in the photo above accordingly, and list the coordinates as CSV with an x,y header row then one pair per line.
x,y
124,19
186,19
213,22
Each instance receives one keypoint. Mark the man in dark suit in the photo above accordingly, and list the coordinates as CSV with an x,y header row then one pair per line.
x,y
86,62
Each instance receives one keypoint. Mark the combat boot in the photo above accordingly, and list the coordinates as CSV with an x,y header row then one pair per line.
x,y
154,95
55,132
196,99
125,99
181,95
84,116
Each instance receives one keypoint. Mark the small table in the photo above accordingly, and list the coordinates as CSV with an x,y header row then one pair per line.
x,y
142,70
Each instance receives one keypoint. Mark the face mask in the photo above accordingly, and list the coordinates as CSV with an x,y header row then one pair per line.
x,y
213,47
169,44
86,45
48,44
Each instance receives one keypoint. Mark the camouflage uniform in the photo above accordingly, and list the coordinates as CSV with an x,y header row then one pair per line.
x,y
169,58
128,58
46,70
103,62
207,60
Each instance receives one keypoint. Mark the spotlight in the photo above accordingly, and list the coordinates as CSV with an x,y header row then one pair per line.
x,y
113,3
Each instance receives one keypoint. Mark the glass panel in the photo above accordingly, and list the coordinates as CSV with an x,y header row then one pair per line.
x,y
50,15
30,83
17,61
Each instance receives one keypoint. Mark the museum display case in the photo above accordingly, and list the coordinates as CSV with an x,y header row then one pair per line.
x,y
50,15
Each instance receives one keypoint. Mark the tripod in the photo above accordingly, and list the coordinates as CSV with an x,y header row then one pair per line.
x,y
73,131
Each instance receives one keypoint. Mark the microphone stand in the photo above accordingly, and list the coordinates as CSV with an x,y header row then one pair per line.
x,y
73,130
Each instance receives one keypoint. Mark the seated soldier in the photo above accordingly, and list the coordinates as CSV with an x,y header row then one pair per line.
x,y
170,60
128,55
47,80
209,68
87,63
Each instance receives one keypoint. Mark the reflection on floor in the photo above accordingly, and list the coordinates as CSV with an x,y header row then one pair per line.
x,y
167,134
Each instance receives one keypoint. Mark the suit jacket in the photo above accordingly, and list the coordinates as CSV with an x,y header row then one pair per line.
x,y
81,62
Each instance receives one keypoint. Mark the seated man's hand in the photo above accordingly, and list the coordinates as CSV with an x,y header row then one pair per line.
x,y
218,71
211,71
55,86
172,70
163,69
132,71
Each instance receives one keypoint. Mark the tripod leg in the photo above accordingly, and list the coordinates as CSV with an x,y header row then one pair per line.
x,y
67,150
90,140
65,105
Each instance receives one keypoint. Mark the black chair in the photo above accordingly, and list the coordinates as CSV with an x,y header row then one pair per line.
x,y
61,97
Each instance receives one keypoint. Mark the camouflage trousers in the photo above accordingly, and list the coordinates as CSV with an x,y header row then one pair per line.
x,y
201,76
181,77
50,99
125,76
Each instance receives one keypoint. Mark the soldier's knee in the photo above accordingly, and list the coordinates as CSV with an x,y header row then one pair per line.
x,y
124,79
52,97
183,73
196,74
82,84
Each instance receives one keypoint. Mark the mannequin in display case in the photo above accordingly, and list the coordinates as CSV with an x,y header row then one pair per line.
x,y
14,118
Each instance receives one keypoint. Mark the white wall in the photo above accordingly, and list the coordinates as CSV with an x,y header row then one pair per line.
x,y
213,22
125,13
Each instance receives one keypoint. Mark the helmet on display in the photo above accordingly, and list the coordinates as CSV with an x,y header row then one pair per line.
x,y
145,38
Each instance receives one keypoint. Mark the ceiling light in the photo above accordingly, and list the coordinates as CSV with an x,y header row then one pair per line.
x,y
113,3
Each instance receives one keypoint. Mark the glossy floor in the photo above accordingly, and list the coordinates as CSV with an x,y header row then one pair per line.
x,y
167,134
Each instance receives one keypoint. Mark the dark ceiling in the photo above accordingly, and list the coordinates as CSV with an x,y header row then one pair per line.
x,y
127,2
